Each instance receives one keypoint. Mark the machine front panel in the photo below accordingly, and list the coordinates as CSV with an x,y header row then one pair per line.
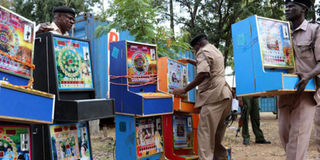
x,y
73,63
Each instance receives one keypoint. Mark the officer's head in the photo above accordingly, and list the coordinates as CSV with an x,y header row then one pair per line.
x,y
64,18
296,8
198,41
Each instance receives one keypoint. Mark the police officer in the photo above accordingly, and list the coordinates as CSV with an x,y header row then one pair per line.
x,y
296,112
63,22
214,97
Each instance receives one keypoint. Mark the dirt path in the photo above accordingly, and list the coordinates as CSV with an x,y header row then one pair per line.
x,y
103,147
273,151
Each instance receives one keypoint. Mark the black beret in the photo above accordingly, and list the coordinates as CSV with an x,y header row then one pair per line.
x,y
63,9
197,38
306,3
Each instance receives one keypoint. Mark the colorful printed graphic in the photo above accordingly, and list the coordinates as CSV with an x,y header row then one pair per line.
x,y
275,43
70,142
177,75
16,40
149,136
142,63
15,143
73,63
182,131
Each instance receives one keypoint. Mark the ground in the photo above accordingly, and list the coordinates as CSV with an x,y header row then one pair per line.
x,y
273,151
103,146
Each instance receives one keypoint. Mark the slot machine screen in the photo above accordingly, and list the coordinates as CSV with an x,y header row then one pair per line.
x,y
275,43
177,75
16,43
73,63
149,136
70,141
142,63
182,131
14,142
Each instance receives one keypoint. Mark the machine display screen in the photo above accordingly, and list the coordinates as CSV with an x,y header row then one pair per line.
x,y
73,63
182,131
16,43
149,136
142,63
15,143
275,43
70,141
177,75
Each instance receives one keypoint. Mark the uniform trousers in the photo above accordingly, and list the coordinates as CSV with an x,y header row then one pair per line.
x,y
317,129
317,122
295,124
254,113
211,130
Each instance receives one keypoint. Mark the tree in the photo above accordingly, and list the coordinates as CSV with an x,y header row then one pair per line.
x,y
189,21
41,10
6,3
172,18
140,18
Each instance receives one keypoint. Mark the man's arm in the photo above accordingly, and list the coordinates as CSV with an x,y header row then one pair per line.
x,y
305,77
203,72
188,60
240,102
198,80
44,27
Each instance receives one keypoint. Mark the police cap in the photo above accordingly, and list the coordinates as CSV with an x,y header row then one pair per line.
x,y
64,9
198,38
305,3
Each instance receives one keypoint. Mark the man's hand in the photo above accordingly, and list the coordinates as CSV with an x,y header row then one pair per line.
x,y
301,85
187,60
197,110
179,91
240,102
44,27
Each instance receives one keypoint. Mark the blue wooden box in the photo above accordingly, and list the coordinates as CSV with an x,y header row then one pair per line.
x,y
25,105
263,58
18,102
136,96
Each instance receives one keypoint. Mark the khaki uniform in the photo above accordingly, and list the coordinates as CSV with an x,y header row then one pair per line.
x,y
295,122
215,99
55,30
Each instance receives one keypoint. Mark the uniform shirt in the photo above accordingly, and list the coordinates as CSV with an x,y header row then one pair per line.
x,y
302,38
305,59
55,30
215,88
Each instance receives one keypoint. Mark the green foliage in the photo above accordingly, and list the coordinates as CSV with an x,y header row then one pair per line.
x,y
41,10
162,9
6,3
168,46
139,18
